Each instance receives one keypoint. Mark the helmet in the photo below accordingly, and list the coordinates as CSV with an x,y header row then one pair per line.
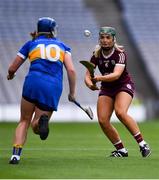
x,y
46,25
107,30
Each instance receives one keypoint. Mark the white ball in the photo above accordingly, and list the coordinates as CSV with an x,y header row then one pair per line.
x,y
87,33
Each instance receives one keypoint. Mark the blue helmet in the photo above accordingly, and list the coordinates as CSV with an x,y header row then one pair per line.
x,y
46,25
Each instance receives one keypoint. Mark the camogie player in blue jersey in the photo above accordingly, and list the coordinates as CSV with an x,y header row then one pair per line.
x,y
43,84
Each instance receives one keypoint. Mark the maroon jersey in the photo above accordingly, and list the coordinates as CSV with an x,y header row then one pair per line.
x,y
106,65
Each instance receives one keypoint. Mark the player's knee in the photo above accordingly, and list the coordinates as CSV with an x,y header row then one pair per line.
x,y
104,122
120,114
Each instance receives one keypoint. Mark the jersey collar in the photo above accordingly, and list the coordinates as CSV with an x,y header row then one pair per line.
x,y
109,55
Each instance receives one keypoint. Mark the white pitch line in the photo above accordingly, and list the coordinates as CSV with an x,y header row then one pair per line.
x,y
63,149
57,149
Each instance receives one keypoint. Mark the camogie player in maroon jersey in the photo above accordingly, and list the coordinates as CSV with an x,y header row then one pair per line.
x,y
116,92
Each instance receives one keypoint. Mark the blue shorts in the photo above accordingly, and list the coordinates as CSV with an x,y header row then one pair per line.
x,y
43,90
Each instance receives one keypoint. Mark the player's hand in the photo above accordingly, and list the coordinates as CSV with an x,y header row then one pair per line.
x,y
96,79
71,98
93,87
11,76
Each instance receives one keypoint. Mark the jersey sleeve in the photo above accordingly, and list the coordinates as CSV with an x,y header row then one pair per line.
x,y
24,51
67,49
121,60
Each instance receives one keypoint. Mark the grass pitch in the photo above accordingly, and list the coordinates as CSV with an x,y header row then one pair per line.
x,y
79,151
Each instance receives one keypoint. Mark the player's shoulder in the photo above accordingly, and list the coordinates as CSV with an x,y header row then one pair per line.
x,y
26,44
63,45
120,57
120,53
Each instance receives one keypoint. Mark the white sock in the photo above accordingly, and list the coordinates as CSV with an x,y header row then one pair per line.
x,y
16,156
142,143
123,150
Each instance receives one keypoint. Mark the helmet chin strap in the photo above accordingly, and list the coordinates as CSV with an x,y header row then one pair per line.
x,y
114,39
54,33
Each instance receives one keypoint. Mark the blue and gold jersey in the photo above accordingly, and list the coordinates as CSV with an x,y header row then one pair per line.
x,y
45,55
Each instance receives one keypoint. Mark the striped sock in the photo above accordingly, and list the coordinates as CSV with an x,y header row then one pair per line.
x,y
17,149
138,137
119,146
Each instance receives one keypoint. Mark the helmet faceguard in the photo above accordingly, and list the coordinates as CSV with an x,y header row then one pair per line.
x,y
107,31
112,32
47,25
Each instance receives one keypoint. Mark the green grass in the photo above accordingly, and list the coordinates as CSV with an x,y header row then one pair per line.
x,y
79,151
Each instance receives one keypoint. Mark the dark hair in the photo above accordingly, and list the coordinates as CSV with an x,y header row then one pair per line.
x,y
36,34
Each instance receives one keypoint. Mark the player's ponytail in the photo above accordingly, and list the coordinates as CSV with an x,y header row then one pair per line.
x,y
34,35
118,47
97,51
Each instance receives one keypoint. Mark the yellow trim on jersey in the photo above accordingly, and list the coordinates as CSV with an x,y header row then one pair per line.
x,y
36,54
62,56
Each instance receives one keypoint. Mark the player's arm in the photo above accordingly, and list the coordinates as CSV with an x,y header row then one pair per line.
x,y
71,74
18,61
118,70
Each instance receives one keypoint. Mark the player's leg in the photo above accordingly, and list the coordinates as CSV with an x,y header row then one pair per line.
x,y
122,103
40,122
27,110
46,103
105,107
